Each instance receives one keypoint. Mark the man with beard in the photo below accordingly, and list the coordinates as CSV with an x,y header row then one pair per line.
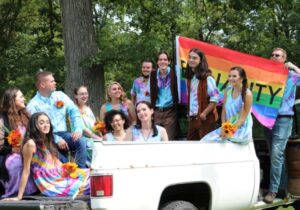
x,y
141,87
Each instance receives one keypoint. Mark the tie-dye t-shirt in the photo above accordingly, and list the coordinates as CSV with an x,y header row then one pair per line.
x,y
212,92
141,89
289,94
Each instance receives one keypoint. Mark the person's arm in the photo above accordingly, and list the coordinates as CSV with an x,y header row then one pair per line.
x,y
2,133
245,109
131,112
207,110
213,93
133,99
74,114
164,134
102,112
223,115
290,65
133,93
90,134
128,136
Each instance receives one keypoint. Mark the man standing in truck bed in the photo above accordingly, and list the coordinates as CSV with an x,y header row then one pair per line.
x,y
277,137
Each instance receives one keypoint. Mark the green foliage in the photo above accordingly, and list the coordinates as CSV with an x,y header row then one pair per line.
x,y
30,40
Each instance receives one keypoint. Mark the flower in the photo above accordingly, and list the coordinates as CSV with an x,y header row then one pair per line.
x,y
59,104
14,138
71,169
99,126
228,129
147,93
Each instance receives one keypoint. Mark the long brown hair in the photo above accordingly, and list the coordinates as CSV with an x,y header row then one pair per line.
x,y
8,107
201,71
242,74
40,140
138,121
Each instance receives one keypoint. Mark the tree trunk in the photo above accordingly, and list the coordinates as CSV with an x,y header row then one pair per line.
x,y
79,45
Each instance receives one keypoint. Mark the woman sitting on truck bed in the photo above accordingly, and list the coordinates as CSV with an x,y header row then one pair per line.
x,y
116,123
41,156
145,129
13,120
236,109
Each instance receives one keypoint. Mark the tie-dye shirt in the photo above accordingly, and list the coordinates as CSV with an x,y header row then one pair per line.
x,y
289,94
212,92
164,97
57,114
141,89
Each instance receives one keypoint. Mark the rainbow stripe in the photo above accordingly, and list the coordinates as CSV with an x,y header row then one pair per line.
x,y
266,78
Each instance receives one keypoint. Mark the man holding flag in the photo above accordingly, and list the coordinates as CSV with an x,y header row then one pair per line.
x,y
278,136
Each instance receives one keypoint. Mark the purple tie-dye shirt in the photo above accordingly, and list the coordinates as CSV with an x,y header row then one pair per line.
x,y
141,89
289,94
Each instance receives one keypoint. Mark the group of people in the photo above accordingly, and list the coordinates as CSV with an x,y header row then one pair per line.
x,y
150,115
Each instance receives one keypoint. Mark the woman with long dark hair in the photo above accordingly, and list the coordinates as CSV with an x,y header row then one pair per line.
x,y
145,128
236,109
41,156
13,116
203,95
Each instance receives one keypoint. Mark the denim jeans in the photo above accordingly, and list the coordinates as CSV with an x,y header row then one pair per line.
x,y
76,147
277,141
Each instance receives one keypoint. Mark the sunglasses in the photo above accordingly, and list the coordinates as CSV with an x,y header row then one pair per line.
x,y
275,55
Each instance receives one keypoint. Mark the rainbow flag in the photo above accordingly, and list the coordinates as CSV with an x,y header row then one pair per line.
x,y
266,78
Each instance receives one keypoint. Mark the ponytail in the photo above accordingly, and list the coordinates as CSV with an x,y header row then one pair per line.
x,y
244,89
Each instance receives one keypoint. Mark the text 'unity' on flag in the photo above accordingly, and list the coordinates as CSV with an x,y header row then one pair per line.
x,y
266,78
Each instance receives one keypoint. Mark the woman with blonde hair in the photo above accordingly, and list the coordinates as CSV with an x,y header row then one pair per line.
x,y
116,99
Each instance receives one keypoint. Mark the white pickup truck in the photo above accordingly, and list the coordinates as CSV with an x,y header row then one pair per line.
x,y
174,175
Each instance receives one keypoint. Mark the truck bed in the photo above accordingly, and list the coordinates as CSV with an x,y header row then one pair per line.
x,y
43,202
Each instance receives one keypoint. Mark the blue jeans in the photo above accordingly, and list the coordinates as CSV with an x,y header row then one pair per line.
x,y
76,147
277,141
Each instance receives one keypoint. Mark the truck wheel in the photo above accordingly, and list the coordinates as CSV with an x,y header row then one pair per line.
x,y
179,205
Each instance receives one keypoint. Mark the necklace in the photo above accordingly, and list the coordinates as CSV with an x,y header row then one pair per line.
x,y
147,136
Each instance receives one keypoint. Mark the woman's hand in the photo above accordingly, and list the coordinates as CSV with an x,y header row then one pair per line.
x,y
12,199
222,134
202,116
16,150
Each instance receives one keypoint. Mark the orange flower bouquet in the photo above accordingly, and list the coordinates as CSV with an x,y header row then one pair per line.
x,y
59,104
228,129
71,169
14,138
99,127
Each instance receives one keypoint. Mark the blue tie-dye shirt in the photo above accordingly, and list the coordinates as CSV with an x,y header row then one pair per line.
x,y
212,92
57,115
289,94
164,97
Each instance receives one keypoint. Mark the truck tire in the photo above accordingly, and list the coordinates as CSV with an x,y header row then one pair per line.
x,y
179,205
